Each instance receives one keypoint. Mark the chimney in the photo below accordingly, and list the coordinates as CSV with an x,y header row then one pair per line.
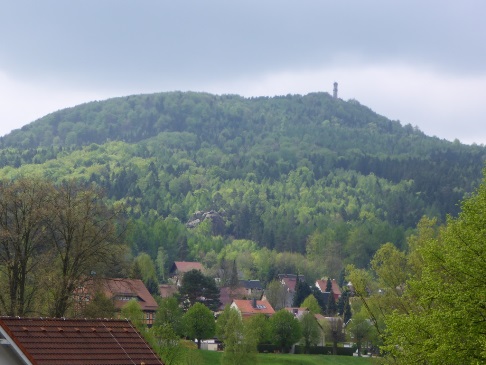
x,y
254,303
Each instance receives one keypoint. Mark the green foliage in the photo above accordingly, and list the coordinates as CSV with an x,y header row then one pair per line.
x,y
260,326
99,307
199,323
311,331
446,318
302,291
311,304
238,338
169,313
198,288
291,173
166,343
285,329
133,312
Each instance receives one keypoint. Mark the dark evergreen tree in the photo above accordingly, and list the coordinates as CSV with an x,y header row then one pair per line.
x,y
136,271
302,291
152,286
329,285
320,298
197,287
331,306
233,280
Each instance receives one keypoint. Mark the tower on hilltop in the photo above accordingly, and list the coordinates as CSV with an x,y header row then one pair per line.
x,y
334,91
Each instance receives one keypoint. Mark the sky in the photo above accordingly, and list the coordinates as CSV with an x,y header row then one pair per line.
x,y
420,62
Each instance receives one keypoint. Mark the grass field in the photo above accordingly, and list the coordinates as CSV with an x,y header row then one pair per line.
x,y
214,358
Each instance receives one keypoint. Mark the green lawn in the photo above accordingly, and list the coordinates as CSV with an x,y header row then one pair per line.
x,y
213,358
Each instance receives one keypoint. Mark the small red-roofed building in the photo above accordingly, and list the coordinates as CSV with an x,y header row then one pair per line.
x,y
51,341
179,268
322,284
250,307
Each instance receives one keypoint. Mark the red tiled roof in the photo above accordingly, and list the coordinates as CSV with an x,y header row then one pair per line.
x,y
321,285
79,341
183,266
121,290
290,283
246,307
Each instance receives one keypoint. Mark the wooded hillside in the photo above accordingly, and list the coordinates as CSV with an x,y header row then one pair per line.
x,y
307,174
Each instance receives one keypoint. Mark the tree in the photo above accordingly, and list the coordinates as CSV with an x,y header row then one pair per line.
x,y
260,325
100,306
169,313
302,291
331,306
233,279
445,321
199,323
240,343
166,342
311,331
198,288
133,312
82,229
360,329
276,294
311,304
333,326
285,329
23,211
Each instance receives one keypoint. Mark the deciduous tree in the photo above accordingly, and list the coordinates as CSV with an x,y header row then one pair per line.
x,y
199,323
23,241
285,330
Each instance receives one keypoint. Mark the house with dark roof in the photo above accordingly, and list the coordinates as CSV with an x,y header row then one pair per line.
x,y
248,308
179,268
120,291
50,341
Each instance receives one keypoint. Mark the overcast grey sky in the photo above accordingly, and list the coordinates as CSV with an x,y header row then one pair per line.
x,y
420,62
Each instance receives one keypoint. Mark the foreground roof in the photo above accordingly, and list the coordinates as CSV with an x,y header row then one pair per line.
x,y
50,341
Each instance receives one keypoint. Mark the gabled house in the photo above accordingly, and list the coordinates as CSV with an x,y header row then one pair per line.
x,y
253,288
322,284
120,291
289,281
248,308
179,268
49,341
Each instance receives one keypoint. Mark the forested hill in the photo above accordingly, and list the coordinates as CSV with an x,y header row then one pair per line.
x,y
280,169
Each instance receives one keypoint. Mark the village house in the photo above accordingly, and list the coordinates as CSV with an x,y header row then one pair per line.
x,y
179,268
120,291
289,281
322,284
250,307
47,341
